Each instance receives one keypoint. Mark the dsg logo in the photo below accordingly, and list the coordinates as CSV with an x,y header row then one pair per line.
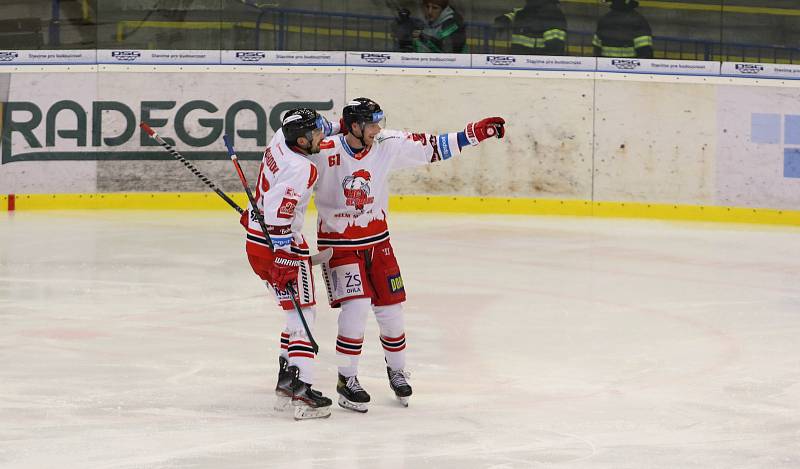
x,y
626,64
749,69
375,58
125,55
500,59
250,56
8,56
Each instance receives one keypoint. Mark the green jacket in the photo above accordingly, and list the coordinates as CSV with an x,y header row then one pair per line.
x,y
446,34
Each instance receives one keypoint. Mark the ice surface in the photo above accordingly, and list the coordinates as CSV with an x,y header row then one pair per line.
x,y
138,340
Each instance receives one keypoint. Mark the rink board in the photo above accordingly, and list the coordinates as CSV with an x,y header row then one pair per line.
x,y
416,204
574,136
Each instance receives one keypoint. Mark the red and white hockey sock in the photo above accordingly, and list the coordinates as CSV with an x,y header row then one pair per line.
x,y
394,348
348,352
352,321
393,336
285,344
300,353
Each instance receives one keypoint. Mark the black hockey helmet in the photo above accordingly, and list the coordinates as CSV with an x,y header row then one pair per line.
x,y
362,110
300,122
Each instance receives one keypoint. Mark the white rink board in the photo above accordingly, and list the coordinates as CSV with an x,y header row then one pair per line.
x,y
746,165
581,135
655,142
547,152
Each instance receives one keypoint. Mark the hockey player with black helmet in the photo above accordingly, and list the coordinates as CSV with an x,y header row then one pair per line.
x,y
623,32
282,195
352,196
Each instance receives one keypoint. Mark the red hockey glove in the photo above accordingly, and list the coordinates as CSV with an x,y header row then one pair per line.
x,y
485,128
284,269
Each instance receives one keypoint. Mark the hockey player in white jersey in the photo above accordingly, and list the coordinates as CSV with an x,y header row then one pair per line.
x,y
352,197
282,195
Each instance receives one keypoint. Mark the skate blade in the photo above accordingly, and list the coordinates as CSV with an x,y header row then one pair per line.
x,y
350,405
305,412
282,403
403,401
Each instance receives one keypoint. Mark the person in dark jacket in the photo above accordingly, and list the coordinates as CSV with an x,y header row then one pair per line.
x,y
623,32
404,28
444,29
540,28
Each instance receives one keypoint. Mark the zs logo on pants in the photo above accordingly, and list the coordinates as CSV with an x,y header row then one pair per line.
x,y
352,282
346,281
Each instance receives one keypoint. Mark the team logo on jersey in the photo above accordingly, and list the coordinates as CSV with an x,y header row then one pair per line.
x,y
356,189
286,210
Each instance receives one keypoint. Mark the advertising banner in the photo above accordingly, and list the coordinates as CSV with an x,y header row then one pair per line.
x,y
658,67
753,70
399,59
48,57
533,62
158,57
271,57
91,120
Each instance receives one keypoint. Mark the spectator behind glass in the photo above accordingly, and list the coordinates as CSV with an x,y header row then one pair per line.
x,y
540,28
404,28
623,32
443,29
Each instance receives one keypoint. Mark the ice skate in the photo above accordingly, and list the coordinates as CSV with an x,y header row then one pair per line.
x,y
308,403
398,383
283,390
351,395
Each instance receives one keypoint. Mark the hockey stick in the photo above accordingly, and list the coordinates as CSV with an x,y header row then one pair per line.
x,y
316,259
260,218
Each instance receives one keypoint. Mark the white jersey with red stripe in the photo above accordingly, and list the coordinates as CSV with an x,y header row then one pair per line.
x,y
352,193
282,194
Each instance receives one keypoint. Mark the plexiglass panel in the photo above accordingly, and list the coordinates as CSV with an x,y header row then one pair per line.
x,y
760,31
